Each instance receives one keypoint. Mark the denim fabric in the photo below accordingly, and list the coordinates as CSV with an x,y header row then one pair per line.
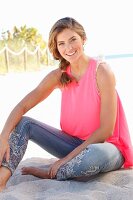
x,y
51,139
95,158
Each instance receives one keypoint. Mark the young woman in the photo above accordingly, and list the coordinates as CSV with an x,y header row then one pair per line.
x,y
94,135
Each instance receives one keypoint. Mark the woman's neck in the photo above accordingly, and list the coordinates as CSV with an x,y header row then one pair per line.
x,y
79,68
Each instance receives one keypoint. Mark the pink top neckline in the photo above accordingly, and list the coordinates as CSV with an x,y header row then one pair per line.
x,y
68,70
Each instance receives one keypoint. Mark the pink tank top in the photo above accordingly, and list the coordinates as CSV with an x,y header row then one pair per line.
x,y
80,112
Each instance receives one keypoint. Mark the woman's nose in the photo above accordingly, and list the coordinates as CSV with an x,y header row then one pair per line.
x,y
68,46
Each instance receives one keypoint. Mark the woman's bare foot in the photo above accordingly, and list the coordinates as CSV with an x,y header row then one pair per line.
x,y
35,171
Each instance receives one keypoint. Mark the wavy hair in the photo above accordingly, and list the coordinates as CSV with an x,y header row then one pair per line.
x,y
58,27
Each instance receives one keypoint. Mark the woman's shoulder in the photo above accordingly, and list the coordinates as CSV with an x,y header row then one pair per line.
x,y
105,73
55,75
56,72
104,69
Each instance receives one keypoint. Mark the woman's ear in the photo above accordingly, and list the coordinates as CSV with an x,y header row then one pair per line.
x,y
84,41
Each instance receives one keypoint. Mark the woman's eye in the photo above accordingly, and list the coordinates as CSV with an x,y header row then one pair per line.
x,y
73,39
61,44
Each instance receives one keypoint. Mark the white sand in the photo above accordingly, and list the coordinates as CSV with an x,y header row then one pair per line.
x,y
116,185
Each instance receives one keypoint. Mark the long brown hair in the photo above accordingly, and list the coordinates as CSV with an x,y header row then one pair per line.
x,y
58,27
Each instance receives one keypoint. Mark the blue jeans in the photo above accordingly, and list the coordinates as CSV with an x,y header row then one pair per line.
x,y
96,158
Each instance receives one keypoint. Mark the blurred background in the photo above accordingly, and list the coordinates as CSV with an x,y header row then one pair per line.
x,y
25,59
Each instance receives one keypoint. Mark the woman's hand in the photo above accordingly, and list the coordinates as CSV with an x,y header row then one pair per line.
x,y
54,168
4,149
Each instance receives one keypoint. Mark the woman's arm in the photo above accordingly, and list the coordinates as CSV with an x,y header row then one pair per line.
x,y
41,92
106,87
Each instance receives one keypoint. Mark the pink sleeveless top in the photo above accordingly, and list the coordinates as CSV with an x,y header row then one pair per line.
x,y
80,113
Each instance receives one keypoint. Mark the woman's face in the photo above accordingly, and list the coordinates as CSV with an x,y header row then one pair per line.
x,y
70,45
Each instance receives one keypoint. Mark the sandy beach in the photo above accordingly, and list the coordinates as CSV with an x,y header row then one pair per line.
x,y
117,185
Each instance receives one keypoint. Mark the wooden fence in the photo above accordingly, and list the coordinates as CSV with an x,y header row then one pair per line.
x,y
23,60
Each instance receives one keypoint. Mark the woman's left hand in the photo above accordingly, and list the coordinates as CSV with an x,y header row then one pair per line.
x,y
54,168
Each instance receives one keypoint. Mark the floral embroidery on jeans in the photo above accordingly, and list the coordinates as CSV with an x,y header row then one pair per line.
x,y
17,149
73,167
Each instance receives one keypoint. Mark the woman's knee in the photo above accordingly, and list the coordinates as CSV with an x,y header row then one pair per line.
x,y
19,137
106,156
23,125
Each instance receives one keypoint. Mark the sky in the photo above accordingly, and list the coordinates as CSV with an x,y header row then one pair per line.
x,y
108,23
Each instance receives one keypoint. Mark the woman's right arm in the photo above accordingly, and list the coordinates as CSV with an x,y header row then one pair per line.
x,y
41,92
